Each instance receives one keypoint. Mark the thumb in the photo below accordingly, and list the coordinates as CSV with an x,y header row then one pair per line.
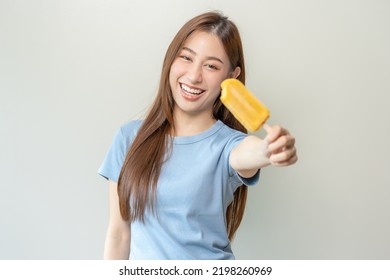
x,y
268,129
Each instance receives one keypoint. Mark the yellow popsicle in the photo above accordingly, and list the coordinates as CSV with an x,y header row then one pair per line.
x,y
244,106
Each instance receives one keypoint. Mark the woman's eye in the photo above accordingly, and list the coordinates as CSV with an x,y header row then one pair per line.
x,y
185,57
211,66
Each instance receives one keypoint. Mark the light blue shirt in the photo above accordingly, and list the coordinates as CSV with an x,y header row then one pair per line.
x,y
195,187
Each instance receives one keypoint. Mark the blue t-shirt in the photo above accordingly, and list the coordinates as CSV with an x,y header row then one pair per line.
x,y
195,187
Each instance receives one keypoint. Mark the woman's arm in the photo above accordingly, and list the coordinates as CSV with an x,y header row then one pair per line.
x,y
117,244
253,153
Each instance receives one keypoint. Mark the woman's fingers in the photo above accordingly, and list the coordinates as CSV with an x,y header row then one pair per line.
x,y
285,157
281,146
281,143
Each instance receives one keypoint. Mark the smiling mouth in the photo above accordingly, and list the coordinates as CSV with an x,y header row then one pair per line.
x,y
191,90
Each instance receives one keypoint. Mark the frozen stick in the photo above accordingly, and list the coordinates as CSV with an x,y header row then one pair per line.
x,y
244,106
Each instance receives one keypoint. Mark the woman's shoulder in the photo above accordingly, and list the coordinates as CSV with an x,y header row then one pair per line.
x,y
130,129
229,132
131,126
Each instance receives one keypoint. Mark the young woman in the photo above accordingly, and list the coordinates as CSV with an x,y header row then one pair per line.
x,y
178,179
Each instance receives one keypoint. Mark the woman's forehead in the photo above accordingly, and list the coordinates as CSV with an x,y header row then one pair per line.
x,y
205,44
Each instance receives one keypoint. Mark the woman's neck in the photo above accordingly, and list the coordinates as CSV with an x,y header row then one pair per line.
x,y
188,125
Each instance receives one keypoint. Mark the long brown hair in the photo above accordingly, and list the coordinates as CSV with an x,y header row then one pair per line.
x,y
139,175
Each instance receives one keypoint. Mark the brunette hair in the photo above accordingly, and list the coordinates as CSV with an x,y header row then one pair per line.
x,y
151,147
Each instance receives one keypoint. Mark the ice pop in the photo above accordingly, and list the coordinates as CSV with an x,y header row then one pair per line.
x,y
244,106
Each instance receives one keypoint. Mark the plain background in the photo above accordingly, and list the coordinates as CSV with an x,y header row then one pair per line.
x,y
72,72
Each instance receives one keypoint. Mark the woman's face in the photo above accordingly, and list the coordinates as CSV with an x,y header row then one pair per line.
x,y
197,72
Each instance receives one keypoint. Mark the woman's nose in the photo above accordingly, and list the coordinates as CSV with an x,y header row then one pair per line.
x,y
195,73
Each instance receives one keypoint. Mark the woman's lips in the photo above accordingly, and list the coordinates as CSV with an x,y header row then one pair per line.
x,y
191,90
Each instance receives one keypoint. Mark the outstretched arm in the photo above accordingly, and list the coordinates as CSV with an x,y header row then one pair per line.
x,y
254,153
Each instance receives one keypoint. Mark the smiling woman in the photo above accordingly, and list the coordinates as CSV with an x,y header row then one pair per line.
x,y
178,179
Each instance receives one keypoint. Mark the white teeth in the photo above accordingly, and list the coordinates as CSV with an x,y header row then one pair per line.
x,y
190,90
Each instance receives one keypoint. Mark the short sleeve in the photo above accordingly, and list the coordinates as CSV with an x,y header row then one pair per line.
x,y
115,156
250,181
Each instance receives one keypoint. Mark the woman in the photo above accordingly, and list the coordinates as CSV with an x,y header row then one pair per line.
x,y
178,178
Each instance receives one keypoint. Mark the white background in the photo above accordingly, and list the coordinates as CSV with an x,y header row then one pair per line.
x,y
72,72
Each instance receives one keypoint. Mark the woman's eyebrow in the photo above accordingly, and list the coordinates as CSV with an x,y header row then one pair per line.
x,y
208,57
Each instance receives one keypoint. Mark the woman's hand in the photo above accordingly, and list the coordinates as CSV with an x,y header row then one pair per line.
x,y
281,149
254,153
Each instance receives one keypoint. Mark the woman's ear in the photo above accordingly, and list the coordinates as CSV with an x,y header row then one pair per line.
x,y
236,72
